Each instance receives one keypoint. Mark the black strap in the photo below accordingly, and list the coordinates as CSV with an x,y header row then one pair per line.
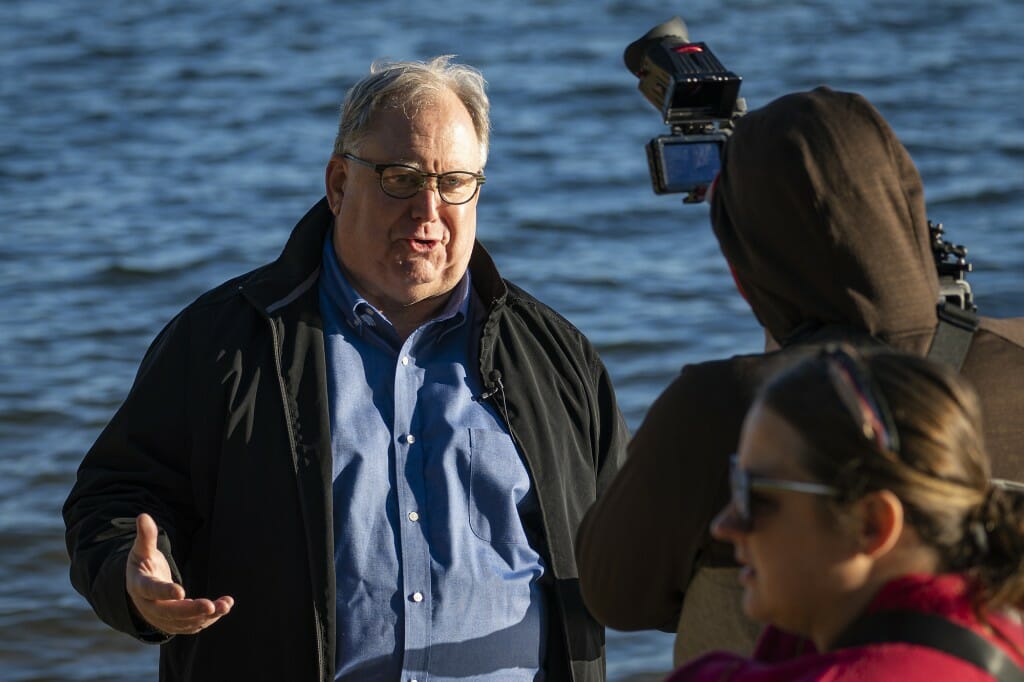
x,y
953,334
930,630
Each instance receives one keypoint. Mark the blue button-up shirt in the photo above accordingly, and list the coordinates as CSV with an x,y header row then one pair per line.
x,y
435,577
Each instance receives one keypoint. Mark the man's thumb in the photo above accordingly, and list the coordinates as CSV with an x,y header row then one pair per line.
x,y
145,534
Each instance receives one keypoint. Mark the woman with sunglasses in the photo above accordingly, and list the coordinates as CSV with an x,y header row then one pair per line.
x,y
871,538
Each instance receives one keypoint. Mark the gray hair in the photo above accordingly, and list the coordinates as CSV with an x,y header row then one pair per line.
x,y
410,86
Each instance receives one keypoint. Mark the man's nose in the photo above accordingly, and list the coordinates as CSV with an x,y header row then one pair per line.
x,y
427,201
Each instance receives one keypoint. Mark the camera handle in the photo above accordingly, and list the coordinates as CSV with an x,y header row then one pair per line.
x,y
957,313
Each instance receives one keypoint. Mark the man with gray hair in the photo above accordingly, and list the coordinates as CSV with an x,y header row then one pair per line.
x,y
366,460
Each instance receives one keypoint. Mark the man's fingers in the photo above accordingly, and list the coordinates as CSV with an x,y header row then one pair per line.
x,y
223,605
187,616
184,610
155,589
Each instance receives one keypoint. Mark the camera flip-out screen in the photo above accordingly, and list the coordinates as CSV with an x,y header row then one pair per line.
x,y
684,163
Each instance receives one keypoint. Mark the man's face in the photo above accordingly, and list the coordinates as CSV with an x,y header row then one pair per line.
x,y
401,252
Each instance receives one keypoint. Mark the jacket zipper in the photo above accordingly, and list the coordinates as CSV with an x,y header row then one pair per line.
x,y
318,628
494,389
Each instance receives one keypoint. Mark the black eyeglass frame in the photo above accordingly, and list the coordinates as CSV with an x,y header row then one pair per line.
x,y
379,168
742,482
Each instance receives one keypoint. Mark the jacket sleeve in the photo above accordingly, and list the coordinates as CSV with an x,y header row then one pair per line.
x,y
638,545
614,434
138,464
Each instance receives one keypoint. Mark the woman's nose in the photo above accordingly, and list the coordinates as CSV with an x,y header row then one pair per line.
x,y
727,524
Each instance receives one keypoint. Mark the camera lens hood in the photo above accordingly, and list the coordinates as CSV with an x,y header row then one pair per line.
x,y
634,54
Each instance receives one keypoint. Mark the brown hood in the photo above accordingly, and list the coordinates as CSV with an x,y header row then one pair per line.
x,y
820,212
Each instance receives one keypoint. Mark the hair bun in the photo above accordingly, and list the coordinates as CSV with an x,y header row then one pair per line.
x,y
994,532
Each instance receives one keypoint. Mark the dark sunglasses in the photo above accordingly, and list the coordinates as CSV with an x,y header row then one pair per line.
x,y
742,482
858,392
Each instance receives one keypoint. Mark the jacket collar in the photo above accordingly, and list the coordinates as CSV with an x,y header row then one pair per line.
x,y
297,269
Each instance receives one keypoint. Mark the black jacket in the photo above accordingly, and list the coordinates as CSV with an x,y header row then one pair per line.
x,y
224,439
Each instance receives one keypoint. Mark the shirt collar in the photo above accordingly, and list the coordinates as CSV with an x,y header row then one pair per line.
x,y
357,311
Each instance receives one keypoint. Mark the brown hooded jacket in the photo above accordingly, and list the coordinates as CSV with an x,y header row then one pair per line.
x,y
820,213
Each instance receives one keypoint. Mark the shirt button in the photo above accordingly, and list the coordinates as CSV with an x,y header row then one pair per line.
x,y
405,361
417,597
410,439
413,516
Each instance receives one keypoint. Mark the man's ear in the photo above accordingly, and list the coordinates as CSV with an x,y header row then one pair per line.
x,y
881,520
334,179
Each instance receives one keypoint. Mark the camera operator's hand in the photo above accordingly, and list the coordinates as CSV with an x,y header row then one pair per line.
x,y
157,599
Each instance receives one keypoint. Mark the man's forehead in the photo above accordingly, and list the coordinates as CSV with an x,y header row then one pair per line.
x,y
434,133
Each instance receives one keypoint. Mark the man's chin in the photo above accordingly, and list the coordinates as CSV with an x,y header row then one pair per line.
x,y
421,293
422,284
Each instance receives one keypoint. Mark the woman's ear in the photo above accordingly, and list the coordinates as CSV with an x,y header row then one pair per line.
x,y
881,521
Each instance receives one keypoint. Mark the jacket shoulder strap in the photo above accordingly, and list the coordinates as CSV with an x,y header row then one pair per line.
x,y
935,632
953,334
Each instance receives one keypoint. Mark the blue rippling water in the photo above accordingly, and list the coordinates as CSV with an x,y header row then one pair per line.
x,y
151,149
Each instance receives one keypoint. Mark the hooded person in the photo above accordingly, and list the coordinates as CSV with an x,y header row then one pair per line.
x,y
820,213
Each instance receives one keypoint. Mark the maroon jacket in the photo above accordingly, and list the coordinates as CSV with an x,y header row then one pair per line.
x,y
784,658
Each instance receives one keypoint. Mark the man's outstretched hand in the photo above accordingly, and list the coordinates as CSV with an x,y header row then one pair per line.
x,y
158,599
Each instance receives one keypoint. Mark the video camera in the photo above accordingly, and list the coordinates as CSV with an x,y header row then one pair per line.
x,y
697,98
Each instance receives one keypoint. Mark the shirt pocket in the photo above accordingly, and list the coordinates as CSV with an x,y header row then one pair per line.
x,y
498,483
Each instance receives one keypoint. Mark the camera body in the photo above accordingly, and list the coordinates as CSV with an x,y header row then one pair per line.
x,y
698,99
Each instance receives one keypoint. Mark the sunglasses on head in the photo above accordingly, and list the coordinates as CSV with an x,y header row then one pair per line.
x,y
742,482
855,387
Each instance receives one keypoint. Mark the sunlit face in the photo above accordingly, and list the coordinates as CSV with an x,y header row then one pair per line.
x,y
404,252
794,561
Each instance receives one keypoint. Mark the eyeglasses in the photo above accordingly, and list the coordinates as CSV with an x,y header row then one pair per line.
x,y
402,182
867,405
741,482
